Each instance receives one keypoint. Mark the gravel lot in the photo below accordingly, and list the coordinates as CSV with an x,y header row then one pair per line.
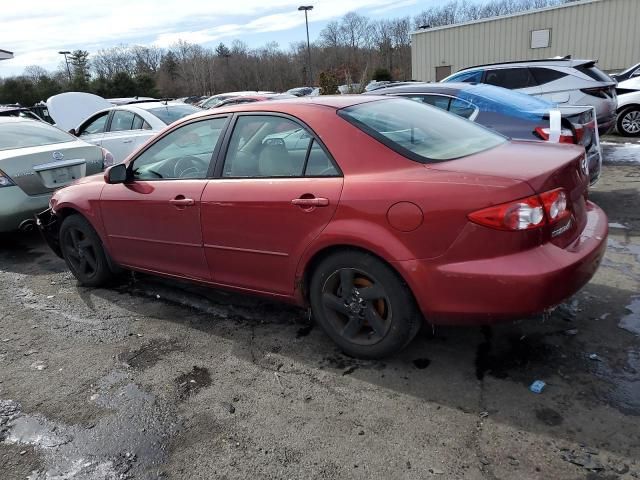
x,y
155,379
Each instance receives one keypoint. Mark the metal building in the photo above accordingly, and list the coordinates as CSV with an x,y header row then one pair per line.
x,y
604,30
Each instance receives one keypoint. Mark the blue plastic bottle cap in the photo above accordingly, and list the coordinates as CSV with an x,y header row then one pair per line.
x,y
537,386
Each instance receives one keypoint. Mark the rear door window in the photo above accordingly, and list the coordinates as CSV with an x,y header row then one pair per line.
x,y
140,124
122,120
545,75
274,146
511,78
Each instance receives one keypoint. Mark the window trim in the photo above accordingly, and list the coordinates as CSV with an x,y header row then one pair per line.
x,y
451,97
214,155
92,119
217,174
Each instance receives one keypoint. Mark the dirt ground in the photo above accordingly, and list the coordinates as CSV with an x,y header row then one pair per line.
x,y
155,379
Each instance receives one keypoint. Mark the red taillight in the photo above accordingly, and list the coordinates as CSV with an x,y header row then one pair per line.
x,y
566,135
107,158
600,92
526,214
555,204
519,215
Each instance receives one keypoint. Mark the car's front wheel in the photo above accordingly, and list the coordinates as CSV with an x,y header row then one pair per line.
x,y
82,250
628,122
363,305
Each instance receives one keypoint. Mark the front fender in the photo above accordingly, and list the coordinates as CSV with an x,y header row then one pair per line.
x,y
83,198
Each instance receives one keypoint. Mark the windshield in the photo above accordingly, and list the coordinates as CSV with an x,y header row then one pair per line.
x,y
30,134
170,113
420,132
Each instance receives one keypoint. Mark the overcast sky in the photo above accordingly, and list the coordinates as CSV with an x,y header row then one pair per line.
x,y
35,30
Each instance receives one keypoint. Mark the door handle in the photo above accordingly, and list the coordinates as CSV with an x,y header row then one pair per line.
x,y
310,202
127,141
181,201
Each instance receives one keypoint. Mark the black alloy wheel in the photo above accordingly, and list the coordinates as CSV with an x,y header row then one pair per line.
x,y
83,252
363,304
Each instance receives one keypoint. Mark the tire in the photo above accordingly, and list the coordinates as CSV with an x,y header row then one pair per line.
x,y
628,122
83,252
375,316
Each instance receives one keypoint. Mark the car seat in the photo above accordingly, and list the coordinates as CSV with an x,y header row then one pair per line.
x,y
275,161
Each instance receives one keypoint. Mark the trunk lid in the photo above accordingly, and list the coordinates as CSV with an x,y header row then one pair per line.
x,y
544,167
37,171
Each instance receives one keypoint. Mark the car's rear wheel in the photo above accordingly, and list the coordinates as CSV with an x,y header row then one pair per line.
x,y
82,250
363,305
628,122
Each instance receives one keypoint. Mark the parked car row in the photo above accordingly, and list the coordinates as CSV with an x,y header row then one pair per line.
x,y
562,81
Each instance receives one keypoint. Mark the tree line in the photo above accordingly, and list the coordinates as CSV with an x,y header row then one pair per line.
x,y
353,49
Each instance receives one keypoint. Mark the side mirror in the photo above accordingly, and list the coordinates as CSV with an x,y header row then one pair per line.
x,y
636,73
73,132
116,174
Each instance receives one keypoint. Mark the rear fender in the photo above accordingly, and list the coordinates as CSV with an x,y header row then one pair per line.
x,y
362,235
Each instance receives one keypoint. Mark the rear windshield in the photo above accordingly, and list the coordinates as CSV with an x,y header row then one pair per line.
x,y
506,102
515,100
594,72
420,132
30,134
170,113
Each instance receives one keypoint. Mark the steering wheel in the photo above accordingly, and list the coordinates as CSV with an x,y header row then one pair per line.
x,y
187,165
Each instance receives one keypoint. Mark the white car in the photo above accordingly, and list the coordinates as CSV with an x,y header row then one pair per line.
x,y
628,118
119,129
564,81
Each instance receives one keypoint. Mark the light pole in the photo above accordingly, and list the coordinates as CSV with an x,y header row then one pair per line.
x,y
306,21
65,53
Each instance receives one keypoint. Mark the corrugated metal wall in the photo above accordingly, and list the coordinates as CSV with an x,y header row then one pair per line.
x,y
606,30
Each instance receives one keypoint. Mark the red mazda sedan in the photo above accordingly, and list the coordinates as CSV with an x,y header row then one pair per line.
x,y
377,212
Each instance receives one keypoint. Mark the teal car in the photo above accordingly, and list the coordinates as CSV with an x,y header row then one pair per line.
x,y
36,159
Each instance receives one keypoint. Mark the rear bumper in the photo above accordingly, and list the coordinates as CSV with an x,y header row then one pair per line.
x,y
594,157
17,207
505,288
606,124
49,227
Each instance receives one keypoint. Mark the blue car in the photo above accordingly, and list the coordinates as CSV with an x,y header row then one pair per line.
x,y
513,114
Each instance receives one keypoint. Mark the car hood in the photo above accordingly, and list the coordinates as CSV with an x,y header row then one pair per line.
x,y
70,109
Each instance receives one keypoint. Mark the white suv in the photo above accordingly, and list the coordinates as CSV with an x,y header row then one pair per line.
x,y
563,81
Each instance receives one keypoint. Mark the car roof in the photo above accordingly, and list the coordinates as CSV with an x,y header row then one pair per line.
x,y
143,105
552,62
418,87
335,102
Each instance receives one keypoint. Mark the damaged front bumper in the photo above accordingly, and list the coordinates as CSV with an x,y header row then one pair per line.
x,y
49,226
